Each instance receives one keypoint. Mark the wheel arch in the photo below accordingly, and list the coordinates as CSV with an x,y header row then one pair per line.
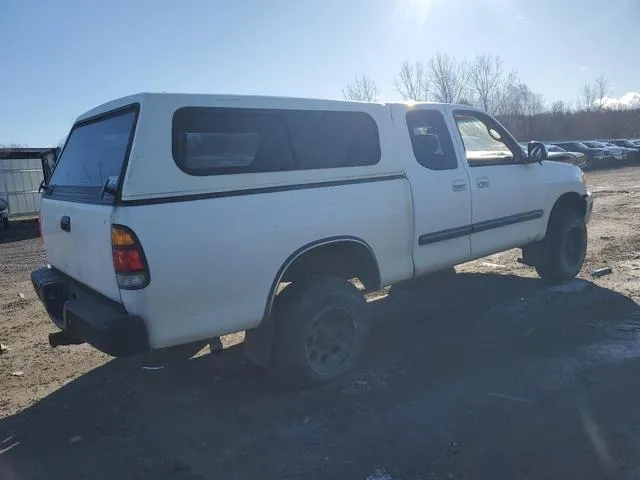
x,y
568,200
258,341
371,282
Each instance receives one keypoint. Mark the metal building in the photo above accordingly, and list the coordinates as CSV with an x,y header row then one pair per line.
x,y
20,177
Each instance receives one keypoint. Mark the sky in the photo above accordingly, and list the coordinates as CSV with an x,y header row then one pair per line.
x,y
60,59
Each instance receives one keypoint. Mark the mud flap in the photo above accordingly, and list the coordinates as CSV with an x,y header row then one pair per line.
x,y
531,254
258,341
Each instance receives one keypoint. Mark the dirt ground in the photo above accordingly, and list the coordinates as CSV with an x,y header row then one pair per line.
x,y
488,374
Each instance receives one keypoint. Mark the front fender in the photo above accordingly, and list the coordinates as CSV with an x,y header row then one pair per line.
x,y
565,183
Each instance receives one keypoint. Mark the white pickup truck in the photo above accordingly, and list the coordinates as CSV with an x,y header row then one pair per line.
x,y
176,218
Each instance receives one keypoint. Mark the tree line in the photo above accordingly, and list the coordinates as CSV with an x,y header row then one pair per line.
x,y
575,125
486,83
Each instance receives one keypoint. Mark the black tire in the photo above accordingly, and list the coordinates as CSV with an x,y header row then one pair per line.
x,y
564,247
320,328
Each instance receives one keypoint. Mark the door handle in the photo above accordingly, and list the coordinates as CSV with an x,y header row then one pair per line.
x,y
65,223
482,182
458,185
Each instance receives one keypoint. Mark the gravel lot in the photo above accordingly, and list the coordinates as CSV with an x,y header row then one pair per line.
x,y
486,374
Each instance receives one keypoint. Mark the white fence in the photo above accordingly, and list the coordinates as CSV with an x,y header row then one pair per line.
x,y
19,183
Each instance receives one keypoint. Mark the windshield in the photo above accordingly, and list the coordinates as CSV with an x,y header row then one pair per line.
x,y
94,153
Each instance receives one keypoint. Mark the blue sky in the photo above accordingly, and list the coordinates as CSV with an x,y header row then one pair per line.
x,y
58,59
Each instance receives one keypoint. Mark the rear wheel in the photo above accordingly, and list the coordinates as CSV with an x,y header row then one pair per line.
x,y
565,246
320,329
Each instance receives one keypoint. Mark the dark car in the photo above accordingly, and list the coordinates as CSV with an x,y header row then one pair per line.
x,y
577,158
616,152
591,152
625,143
632,148
558,154
597,157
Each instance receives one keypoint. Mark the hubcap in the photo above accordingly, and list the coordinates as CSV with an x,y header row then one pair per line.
x,y
330,341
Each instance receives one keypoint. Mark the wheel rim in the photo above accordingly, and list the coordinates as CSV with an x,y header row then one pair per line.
x,y
330,341
574,247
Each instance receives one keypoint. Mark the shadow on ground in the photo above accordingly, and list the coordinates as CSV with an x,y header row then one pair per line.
x,y
465,376
19,230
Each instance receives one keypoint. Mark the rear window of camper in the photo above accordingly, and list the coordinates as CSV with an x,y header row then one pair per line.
x,y
95,152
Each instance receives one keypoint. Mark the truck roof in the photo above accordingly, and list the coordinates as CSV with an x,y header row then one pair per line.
x,y
255,101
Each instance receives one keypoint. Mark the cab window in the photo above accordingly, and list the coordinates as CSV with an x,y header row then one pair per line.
x,y
483,142
430,139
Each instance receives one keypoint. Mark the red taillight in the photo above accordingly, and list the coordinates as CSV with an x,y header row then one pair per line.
x,y
128,258
127,261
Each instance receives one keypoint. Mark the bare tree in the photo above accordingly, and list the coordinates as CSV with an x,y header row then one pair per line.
x,y
532,102
559,108
362,89
412,82
449,78
587,98
602,89
521,100
490,82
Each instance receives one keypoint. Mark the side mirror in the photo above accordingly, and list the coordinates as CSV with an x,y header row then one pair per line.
x,y
48,159
536,152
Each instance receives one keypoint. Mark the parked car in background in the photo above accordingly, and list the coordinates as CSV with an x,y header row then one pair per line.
x,y
627,152
577,158
631,152
616,152
625,143
633,142
558,154
596,156
551,156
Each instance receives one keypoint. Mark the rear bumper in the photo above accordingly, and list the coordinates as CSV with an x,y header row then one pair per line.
x,y
85,315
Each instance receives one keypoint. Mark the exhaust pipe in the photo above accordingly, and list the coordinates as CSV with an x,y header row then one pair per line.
x,y
61,338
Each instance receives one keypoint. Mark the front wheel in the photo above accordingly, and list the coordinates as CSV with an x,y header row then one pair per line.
x,y
320,329
564,247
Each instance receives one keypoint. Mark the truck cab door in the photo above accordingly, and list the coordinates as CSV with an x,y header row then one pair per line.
x,y
507,193
440,190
